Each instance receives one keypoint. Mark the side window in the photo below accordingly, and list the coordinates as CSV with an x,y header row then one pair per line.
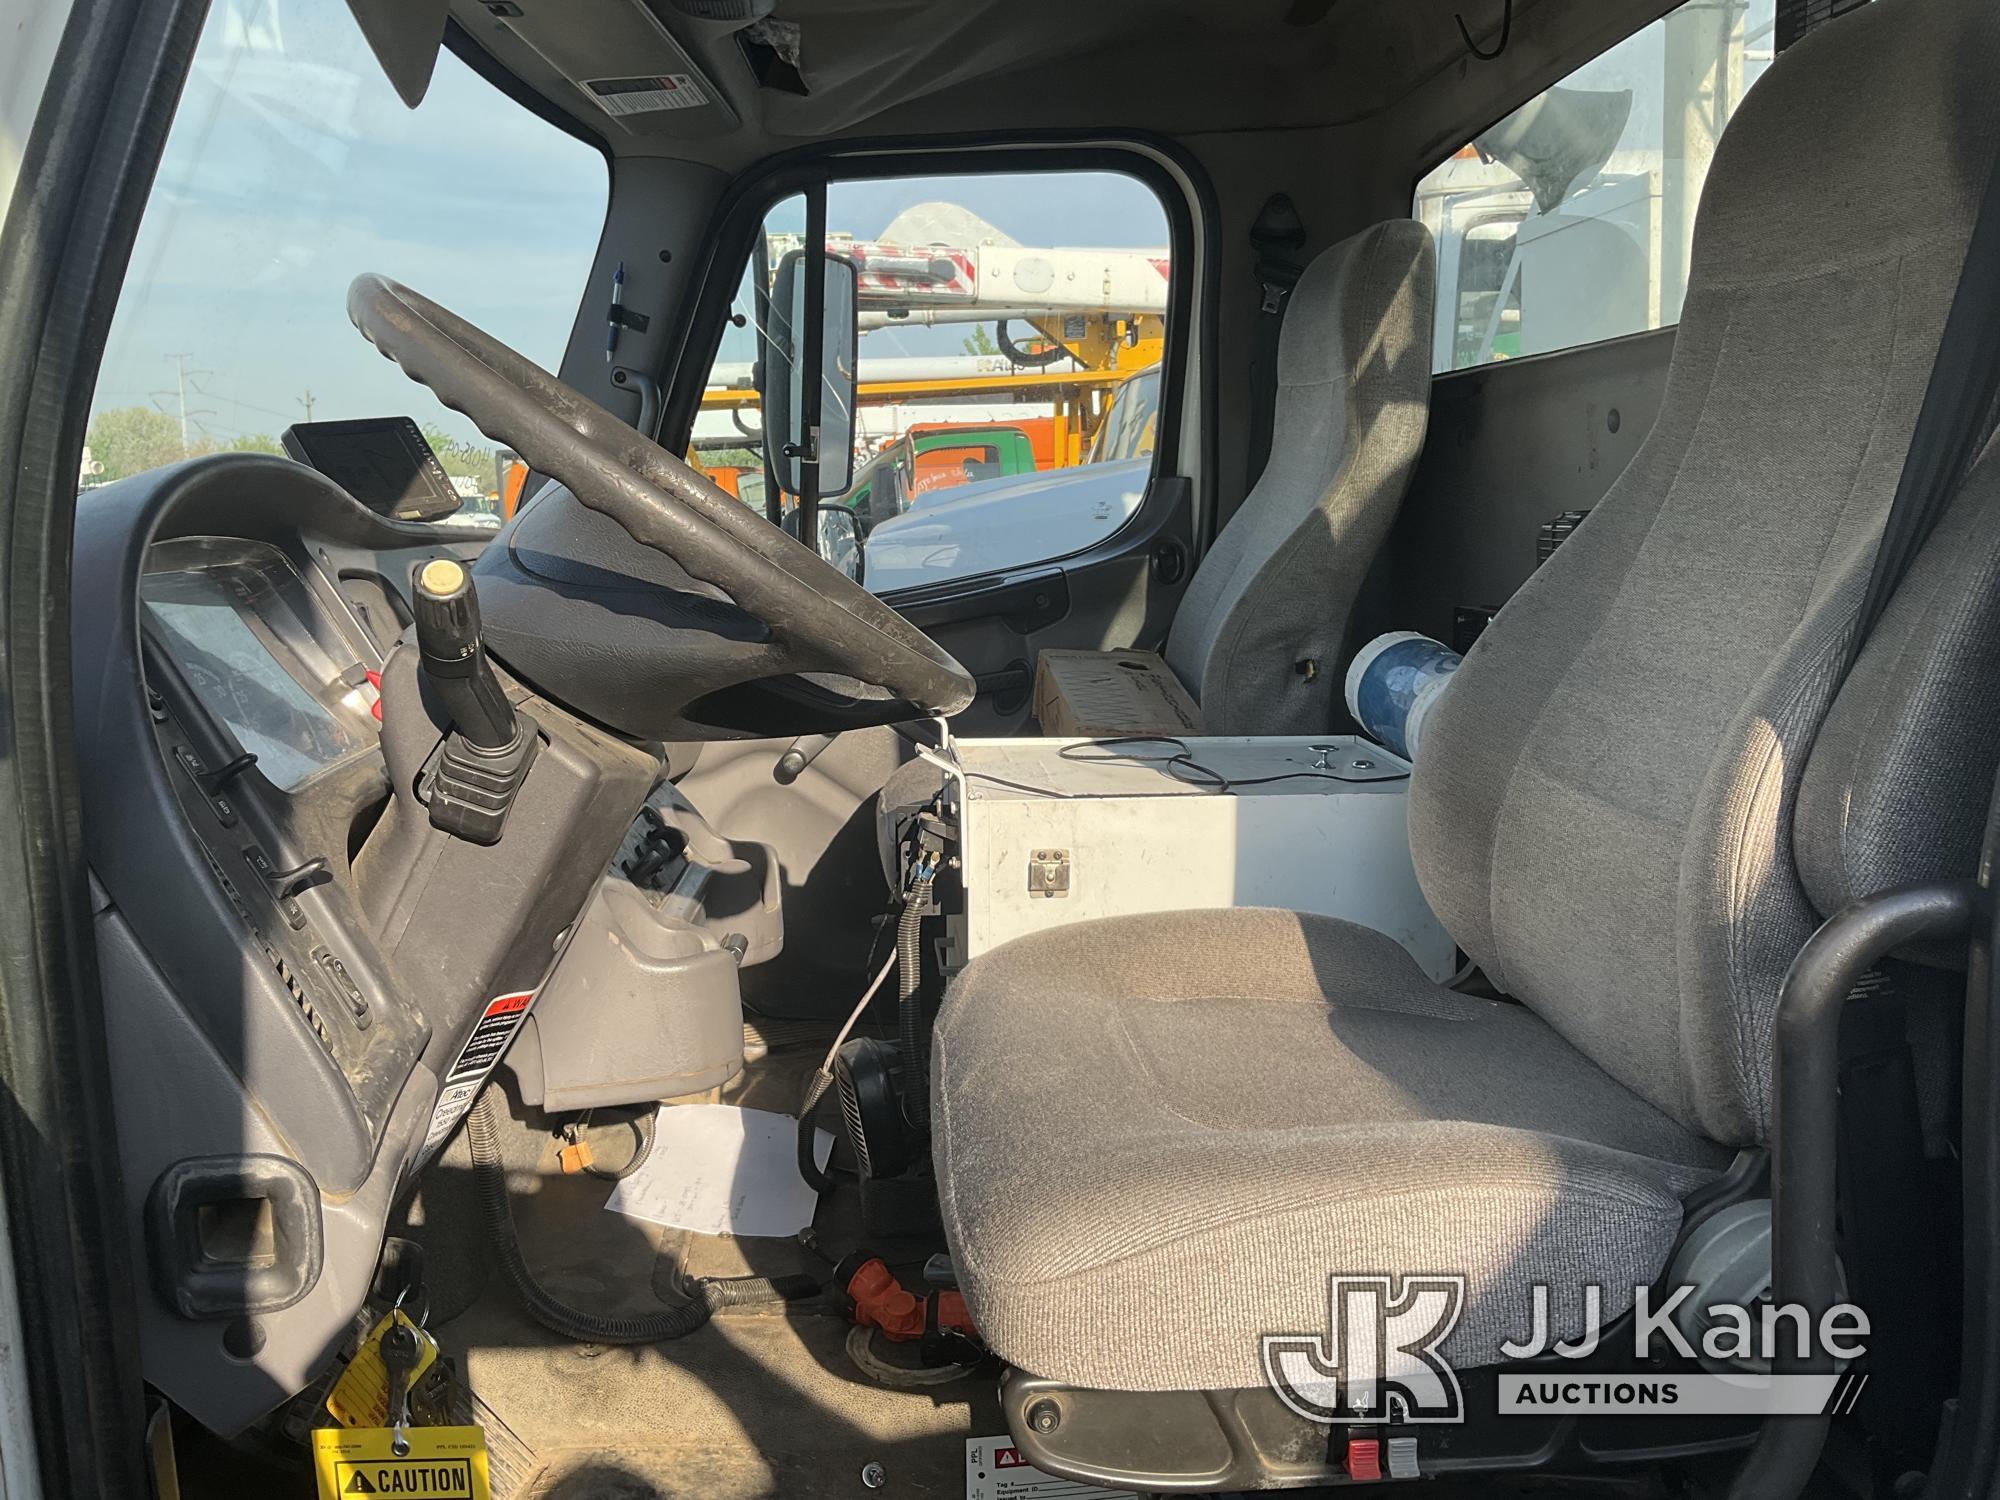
x,y
1002,319
728,441
1570,221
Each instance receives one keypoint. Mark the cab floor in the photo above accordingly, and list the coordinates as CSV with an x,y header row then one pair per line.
x,y
761,1402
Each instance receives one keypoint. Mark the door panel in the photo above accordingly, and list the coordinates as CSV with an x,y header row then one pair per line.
x,y
1512,445
1122,593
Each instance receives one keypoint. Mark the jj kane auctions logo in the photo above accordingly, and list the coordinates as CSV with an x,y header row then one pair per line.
x,y
1380,1359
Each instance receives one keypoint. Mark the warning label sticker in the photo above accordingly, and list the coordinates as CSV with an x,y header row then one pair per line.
x,y
490,1038
360,1398
995,1470
442,1463
639,96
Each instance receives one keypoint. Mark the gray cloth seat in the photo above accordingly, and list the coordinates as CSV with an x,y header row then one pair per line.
x,y
1247,1127
1353,401
1279,585
1156,1137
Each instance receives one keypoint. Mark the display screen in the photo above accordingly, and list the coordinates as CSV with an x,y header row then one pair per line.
x,y
234,620
384,462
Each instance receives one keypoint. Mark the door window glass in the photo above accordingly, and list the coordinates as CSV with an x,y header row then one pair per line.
x,y
1571,220
1002,319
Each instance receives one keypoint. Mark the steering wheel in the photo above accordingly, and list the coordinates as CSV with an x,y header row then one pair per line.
x,y
694,616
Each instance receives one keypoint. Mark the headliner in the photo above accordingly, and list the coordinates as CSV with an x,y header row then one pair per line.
x,y
928,67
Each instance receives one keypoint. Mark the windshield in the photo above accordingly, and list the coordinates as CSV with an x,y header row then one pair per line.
x,y
291,168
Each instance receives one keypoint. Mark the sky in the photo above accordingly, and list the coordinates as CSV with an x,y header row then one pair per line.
x,y
292,167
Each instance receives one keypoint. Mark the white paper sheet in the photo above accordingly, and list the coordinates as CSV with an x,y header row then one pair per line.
x,y
717,1169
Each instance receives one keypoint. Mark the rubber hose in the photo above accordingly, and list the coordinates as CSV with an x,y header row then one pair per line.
x,y
1017,355
909,1005
816,1088
707,1295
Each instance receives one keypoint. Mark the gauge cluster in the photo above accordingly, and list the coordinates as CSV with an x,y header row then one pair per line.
x,y
262,656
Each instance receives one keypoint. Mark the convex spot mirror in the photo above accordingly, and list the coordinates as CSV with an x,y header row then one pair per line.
x,y
787,443
839,538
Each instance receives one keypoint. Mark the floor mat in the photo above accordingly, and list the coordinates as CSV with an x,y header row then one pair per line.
x,y
761,1402
745,1408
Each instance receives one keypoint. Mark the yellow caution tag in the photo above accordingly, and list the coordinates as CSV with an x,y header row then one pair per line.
x,y
360,1398
443,1463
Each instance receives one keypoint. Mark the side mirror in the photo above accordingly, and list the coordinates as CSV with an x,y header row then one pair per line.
x,y
786,441
840,539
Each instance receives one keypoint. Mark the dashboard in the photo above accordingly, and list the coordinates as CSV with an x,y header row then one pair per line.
x,y
305,983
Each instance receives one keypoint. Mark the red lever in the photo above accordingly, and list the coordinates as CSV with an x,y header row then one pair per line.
x,y
1364,1458
881,1301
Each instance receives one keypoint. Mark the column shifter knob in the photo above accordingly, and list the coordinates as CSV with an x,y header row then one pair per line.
x,y
471,782
453,655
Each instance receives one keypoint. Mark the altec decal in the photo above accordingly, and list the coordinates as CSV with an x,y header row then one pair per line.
x,y
498,1025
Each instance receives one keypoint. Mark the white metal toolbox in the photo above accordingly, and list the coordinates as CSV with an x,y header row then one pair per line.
x,y
1054,831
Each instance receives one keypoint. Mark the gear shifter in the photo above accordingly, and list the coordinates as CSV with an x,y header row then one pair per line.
x,y
454,655
477,771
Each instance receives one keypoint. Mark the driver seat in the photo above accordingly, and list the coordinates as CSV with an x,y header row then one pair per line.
x,y
1156,1136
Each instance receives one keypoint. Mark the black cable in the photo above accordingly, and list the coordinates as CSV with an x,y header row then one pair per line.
x,y
808,1144
1179,764
707,1295
817,1085
1506,31
1016,354
645,1129
909,999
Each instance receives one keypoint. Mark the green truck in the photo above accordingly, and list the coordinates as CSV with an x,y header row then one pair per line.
x,y
936,457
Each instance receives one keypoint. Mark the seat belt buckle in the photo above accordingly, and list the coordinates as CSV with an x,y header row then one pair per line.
x,y
1275,294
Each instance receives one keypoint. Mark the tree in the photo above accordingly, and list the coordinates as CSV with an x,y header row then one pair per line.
x,y
979,341
257,442
132,439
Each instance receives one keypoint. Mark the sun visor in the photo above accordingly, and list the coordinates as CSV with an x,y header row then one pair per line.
x,y
405,36
630,71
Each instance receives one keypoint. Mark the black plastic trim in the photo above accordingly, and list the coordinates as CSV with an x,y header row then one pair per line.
x,y
199,1285
1968,1443
1028,601
958,599
1805,1135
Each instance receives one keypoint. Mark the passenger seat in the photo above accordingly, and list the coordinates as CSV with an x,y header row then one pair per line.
x,y
1257,640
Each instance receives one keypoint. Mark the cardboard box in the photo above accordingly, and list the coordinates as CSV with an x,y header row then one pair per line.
x,y
1097,694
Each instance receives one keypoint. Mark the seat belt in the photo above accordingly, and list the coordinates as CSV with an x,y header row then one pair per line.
x,y
1276,237
1881,1148
1957,418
